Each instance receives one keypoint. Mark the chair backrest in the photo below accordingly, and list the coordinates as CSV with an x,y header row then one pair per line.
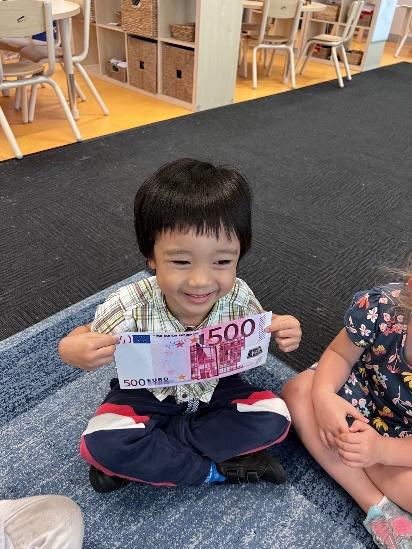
x,y
354,12
281,9
23,18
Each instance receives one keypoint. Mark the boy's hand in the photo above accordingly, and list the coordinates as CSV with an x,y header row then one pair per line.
x,y
286,331
87,350
361,446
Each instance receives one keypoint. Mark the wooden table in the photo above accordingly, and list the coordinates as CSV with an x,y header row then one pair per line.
x,y
63,11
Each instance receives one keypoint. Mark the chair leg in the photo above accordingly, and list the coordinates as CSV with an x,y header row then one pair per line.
x,y
254,68
66,109
245,50
32,102
337,68
304,58
79,91
292,68
24,105
401,44
92,88
345,62
5,93
405,32
269,68
286,68
9,134
17,99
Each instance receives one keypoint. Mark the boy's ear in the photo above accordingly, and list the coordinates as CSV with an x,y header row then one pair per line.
x,y
151,263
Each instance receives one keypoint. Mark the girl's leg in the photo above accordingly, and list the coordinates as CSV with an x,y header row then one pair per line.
x,y
394,482
298,397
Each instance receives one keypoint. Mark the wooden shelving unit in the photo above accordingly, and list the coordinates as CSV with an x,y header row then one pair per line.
x,y
214,51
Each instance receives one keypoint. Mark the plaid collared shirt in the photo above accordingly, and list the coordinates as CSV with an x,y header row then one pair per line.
x,y
141,307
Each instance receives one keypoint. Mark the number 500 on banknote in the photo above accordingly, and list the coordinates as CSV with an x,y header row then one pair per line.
x,y
147,360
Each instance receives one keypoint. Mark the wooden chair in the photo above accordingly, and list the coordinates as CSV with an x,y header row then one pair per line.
x,y
283,11
335,41
406,27
37,53
24,18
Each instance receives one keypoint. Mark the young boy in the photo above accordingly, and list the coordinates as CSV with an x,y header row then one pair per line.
x,y
193,224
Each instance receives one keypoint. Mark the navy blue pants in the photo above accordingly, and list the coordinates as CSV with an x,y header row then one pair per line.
x,y
135,436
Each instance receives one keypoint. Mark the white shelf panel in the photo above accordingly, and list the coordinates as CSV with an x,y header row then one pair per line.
x,y
116,28
168,40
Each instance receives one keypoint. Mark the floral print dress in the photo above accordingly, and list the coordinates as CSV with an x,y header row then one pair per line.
x,y
380,384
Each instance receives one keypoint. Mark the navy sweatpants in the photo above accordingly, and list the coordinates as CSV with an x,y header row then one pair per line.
x,y
135,436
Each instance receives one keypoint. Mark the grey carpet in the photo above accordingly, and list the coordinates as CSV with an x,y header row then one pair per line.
x,y
331,170
45,408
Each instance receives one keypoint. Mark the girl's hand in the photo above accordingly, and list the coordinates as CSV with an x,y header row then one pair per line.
x,y
88,350
330,412
286,331
361,446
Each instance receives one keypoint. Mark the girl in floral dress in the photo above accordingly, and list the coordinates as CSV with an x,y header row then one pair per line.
x,y
353,410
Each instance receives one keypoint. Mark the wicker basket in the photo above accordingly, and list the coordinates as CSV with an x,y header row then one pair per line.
x,y
185,32
142,63
177,72
354,56
118,73
140,17
330,13
321,52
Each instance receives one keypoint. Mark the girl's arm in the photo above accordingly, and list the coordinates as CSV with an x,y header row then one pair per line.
x,y
364,447
331,373
336,364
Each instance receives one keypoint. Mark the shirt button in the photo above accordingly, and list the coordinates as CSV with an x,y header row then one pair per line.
x,y
184,395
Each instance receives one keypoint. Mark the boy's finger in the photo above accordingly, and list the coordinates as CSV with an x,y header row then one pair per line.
x,y
289,332
105,340
107,352
282,323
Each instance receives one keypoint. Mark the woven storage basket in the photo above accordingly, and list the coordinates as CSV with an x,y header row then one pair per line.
x,y
118,73
185,32
177,72
321,52
354,56
142,63
140,17
330,13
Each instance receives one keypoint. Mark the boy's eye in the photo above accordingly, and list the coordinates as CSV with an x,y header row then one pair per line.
x,y
180,262
224,262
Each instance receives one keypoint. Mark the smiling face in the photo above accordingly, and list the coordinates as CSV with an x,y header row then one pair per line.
x,y
194,271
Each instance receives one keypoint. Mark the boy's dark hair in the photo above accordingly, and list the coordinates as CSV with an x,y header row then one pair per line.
x,y
187,194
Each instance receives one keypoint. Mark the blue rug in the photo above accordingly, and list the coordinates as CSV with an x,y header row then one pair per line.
x,y
44,409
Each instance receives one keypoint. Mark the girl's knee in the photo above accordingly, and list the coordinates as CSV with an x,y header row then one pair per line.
x,y
298,390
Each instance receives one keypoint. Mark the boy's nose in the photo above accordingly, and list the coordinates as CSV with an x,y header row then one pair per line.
x,y
199,278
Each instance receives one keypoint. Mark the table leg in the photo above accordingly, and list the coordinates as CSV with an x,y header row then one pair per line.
x,y
68,64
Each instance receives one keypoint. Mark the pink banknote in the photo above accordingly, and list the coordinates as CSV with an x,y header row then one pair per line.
x,y
147,360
